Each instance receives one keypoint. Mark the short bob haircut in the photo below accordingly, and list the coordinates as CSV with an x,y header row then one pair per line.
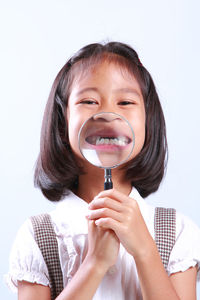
x,y
56,170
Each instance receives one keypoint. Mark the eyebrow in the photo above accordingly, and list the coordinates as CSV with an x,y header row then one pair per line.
x,y
127,90
88,89
94,89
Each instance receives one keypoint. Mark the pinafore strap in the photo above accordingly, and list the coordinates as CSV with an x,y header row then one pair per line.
x,y
46,239
165,232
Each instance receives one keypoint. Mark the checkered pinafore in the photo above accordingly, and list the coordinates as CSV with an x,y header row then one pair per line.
x,y
165,234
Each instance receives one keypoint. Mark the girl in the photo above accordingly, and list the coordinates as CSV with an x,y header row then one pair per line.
x,y
106,239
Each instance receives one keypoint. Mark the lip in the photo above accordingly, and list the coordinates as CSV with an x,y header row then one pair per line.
x,y
108,133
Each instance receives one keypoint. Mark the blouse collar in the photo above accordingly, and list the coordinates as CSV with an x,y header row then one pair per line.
x,y
72,211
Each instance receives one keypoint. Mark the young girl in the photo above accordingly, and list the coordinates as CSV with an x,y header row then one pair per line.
x,y
106,239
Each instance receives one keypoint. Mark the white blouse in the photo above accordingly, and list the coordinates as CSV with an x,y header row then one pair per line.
x,y
121,281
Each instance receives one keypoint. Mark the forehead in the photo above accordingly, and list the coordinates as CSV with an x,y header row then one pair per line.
x,y
87,68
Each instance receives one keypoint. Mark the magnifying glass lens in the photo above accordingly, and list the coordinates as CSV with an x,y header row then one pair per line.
x,y
106,140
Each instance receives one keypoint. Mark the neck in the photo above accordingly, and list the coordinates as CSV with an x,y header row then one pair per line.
x,y
92,183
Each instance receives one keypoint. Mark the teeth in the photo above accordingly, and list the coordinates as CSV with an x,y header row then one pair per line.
x,y
120,141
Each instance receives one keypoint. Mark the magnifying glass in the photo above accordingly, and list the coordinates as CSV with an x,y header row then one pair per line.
x,y
106,140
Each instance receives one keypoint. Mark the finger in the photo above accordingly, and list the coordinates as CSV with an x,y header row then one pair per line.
x,y
104,213
108,223
114,194
91,226
105,203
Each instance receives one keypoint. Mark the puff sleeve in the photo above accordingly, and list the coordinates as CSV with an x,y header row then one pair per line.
x,y
26,261
186,251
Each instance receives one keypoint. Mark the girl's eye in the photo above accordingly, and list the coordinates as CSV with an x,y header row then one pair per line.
x,y
88,101
125,102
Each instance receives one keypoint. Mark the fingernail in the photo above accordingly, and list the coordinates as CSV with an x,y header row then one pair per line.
x,y
90,205
88,215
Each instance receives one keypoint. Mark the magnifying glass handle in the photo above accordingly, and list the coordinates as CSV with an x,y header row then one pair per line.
x,y
108,179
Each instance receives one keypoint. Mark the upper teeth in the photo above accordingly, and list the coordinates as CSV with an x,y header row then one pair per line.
x,y
119,141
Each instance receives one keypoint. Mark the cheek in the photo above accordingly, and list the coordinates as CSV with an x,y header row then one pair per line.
x,y
139,142
74,125
139,131
73,129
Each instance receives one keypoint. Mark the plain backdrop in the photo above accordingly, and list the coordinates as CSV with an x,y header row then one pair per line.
x,y
36,39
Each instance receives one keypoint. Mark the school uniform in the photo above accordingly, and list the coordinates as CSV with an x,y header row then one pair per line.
x,y
121,281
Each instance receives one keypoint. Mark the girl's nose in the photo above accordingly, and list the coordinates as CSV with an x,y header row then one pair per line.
x,y
106,116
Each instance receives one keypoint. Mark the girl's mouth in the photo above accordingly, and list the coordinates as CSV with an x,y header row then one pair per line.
x,y
106,142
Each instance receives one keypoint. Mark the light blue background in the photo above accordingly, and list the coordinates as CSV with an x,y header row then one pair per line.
x,y
37,37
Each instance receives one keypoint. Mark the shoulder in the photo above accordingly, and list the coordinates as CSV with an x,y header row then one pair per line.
x,y
26,261
25,233
186,250
184,224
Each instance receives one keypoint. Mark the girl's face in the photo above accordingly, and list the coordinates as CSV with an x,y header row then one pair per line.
x,y
106,88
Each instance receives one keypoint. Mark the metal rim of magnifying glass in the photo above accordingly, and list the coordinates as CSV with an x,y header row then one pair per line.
x,y
129,127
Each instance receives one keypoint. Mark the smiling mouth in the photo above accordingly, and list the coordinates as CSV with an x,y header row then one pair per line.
x,y
106,140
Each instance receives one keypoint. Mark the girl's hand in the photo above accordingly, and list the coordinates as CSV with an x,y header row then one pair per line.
x,y
113,210
103,246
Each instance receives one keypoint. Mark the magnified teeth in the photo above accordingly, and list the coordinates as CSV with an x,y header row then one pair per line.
x,y
119,141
